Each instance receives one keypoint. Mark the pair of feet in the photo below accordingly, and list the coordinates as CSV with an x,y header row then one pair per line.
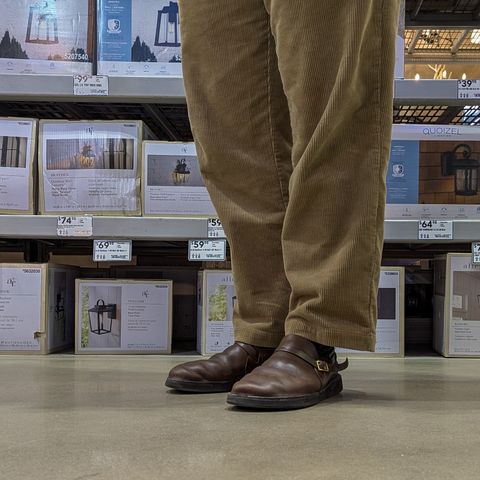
x,y
297,374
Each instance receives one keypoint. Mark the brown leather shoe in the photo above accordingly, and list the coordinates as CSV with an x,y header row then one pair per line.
x,y
219,372
293,377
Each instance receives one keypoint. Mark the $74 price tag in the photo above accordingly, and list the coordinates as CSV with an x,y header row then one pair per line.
x,y
74,226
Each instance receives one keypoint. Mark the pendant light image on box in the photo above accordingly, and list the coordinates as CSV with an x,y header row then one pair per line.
x,y
181,173
168,26
42,19
99,316
459,162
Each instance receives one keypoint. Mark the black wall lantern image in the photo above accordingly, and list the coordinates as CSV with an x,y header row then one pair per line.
x,y
60,315
42,18
459,162
99,316
181,173
168,26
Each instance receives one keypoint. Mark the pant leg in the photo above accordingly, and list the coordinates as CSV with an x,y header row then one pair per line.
x,y
336,60
240,121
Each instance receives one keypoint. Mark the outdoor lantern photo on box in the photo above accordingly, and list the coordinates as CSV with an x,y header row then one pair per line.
x,y
459,162
43,20
99,316
168,26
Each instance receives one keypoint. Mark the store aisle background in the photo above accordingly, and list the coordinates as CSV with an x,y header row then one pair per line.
x,y
69,418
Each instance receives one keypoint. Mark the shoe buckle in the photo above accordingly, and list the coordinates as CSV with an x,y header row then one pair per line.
x,y
322,366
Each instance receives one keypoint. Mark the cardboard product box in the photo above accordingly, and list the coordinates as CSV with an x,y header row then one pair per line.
x,y
400,44
457,312
433,172
184,295
391,316
171,181
86,261
46,37
37,304
139,38
123,316
18,137
216,301
90,167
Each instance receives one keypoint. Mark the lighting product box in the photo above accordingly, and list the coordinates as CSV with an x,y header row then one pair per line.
x,y
46,37
216,301
171,181
123,316
36,308
90,167
433,172
139,38
184,294
456,324
18,137
391,316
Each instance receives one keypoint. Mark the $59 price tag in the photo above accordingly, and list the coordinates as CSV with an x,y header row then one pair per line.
x,y
207,250
112,250
215,228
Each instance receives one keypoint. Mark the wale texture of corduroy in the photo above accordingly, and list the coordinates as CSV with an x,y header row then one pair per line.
x,y
290,103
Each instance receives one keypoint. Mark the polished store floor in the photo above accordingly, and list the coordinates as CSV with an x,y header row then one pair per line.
x,y
79,418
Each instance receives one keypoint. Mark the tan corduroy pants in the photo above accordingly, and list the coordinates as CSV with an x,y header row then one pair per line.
x,y
290,103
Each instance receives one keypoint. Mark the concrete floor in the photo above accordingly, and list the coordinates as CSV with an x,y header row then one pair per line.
x,y
80,418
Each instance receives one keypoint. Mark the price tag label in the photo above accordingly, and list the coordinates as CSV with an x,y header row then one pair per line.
x,y
207,250
435,230
476,253
469,89
95,85
74,226
112,250
215,228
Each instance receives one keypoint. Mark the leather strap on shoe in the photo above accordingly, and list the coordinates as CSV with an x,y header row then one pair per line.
x,y
319,365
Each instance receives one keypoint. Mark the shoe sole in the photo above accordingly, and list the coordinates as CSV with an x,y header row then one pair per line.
x,y
199,387
287,402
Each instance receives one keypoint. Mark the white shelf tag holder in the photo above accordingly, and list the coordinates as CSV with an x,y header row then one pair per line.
x,y
468,89
74,226
112,250
435,230
215,228
90,85
207,250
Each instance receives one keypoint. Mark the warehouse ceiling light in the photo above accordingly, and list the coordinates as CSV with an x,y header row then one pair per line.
x,y
475,36
99,315
459,162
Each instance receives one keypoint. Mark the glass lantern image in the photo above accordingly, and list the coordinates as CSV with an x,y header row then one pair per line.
x,y
168,26
181,173
60,315
101,315
459,162
42,24
86,158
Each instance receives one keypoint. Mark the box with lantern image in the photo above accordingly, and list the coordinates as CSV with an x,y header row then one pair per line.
x,y
90,166
18,137
37,303
123,316
139,38
172,183
391,316
433,172
456,324
215,301
46,37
